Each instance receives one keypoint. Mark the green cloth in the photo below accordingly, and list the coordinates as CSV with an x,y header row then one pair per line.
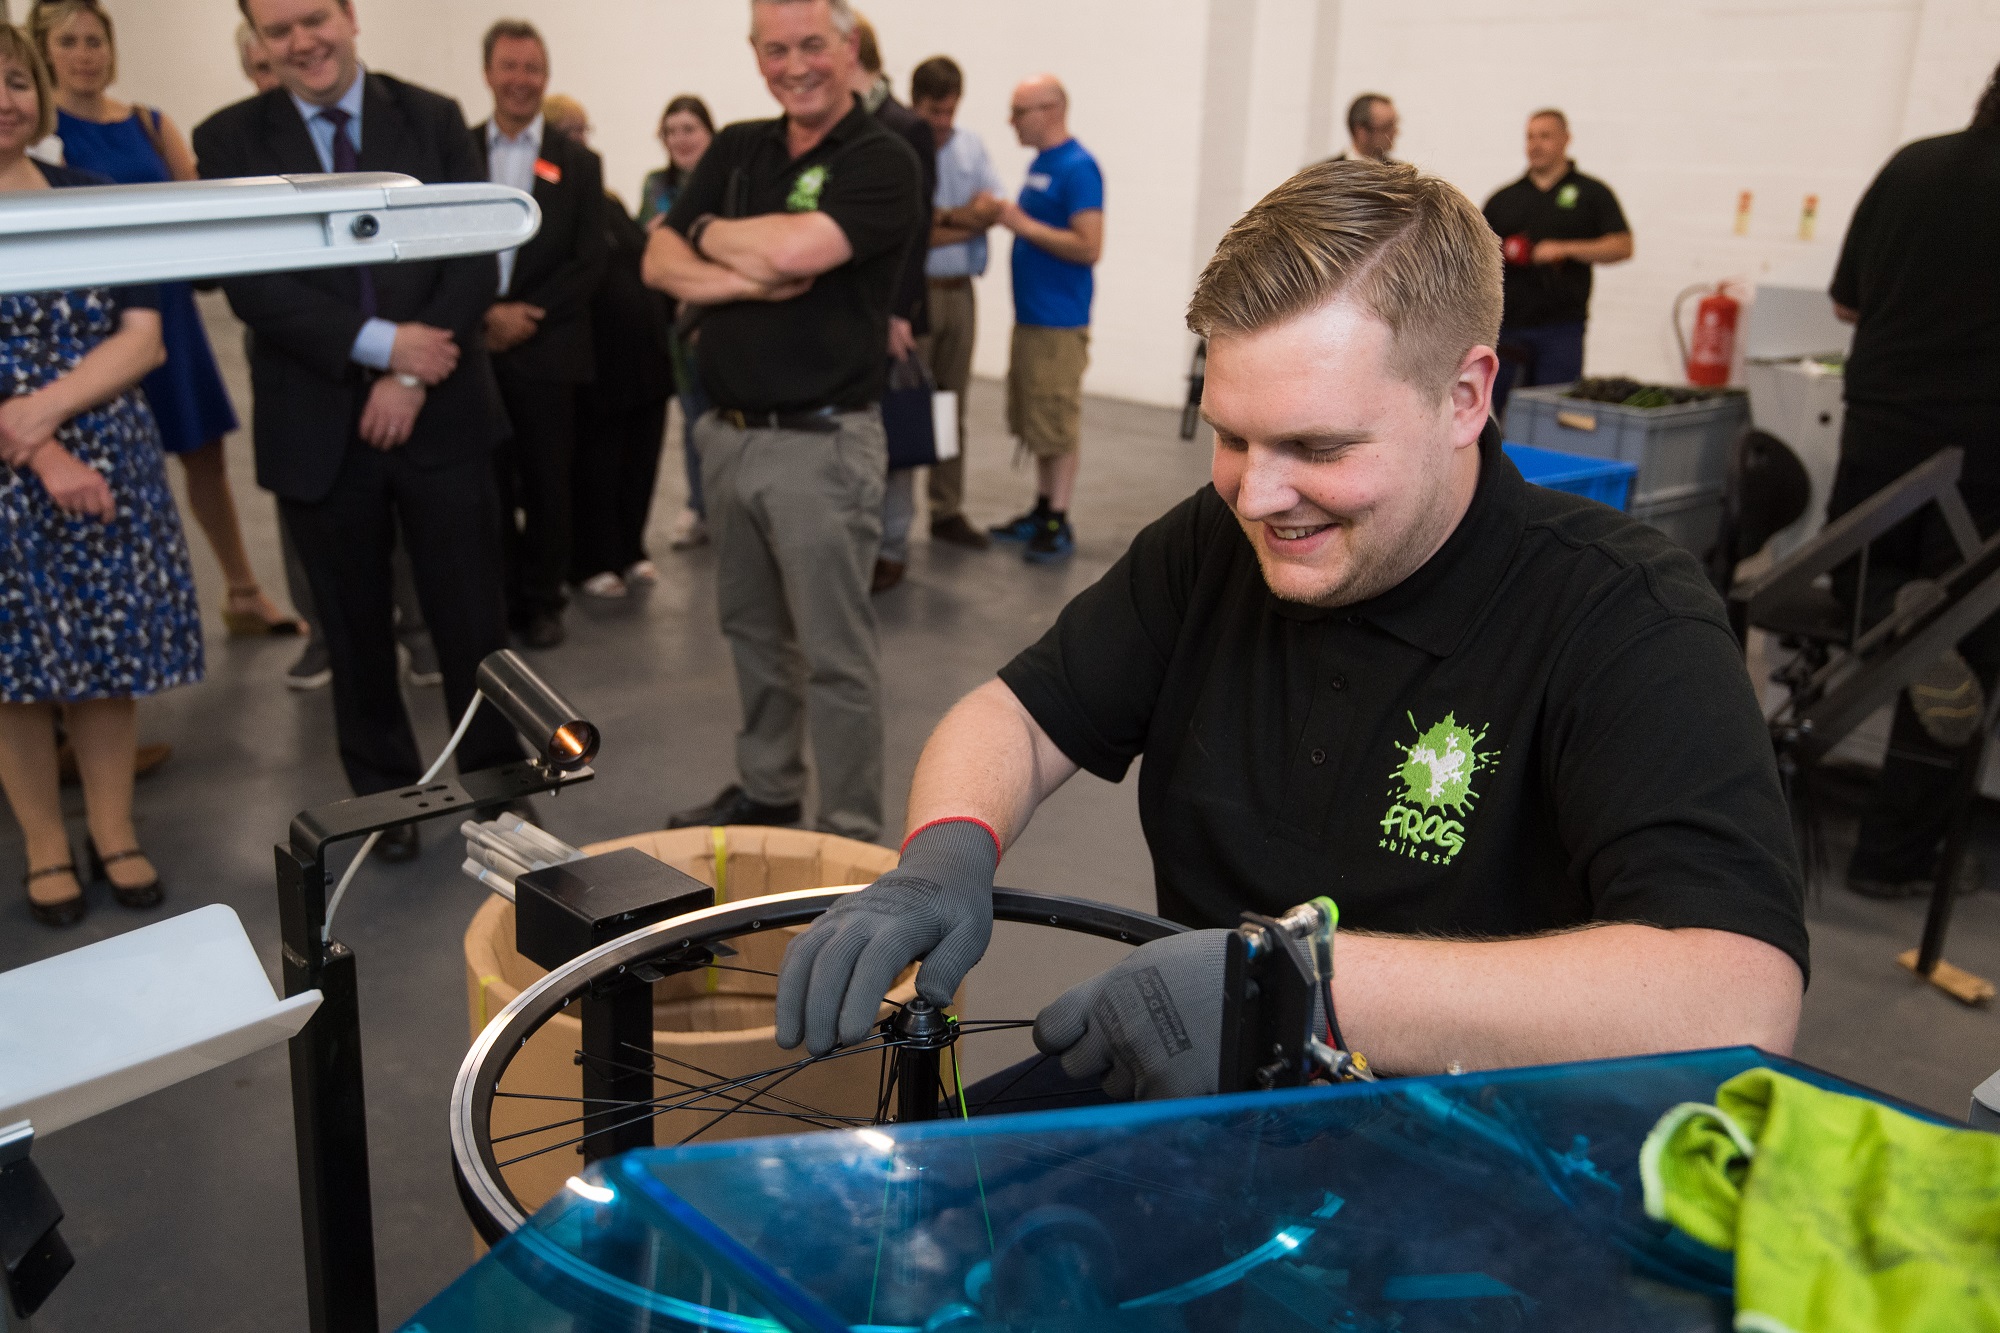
x,y
1844,1214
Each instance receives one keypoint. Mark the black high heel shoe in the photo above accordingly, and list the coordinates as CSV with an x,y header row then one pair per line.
x,y
140,897
60,915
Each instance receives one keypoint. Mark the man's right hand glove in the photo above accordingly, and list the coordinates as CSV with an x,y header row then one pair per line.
x,y
1151,1026
937,905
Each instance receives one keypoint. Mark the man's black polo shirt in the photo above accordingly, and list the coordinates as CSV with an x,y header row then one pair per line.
x,y
1547,724
829,346
1921,263
1575,208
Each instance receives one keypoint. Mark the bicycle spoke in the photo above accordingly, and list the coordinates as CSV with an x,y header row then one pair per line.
x,y
662,1105
711,1074
1026,1070
801,1111
731,967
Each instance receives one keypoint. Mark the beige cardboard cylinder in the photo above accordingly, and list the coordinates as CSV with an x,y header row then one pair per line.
x,y
720,1022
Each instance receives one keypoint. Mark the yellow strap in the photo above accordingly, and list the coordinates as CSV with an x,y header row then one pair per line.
x,y
719,839
484,982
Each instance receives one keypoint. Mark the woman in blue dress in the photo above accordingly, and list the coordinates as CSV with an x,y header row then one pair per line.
x,y
135,145
97,603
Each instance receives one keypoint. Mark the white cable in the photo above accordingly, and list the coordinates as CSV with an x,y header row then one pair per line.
x,y
368,845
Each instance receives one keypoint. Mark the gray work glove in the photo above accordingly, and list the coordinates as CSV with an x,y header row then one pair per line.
x,y
937,905
1151,1026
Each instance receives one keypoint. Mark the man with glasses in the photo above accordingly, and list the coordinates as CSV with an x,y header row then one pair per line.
x,y
1371,128
1058,226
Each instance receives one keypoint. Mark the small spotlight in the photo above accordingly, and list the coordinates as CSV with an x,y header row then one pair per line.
x,y
562,740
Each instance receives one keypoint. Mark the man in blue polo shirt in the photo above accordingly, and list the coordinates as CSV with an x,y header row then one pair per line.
x,y
1058,226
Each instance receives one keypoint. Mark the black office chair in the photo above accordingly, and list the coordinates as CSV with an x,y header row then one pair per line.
x,y
1765,491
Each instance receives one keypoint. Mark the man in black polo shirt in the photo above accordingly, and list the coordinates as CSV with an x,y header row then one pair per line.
x,y
1919,277
1507,730
1553,223
789,240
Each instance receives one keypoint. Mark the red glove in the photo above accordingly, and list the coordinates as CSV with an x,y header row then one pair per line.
x,y
1518,250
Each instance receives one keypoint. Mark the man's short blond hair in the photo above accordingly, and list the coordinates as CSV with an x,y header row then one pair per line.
x,y
1408,247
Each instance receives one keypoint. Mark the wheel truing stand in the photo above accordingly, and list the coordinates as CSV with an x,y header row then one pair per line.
x,y
329,1107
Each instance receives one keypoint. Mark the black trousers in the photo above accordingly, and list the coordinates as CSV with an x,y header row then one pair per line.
x,y
1903,827
450,524
617,463
533,468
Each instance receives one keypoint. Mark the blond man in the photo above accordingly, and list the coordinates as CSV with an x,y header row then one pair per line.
x,y
1507,730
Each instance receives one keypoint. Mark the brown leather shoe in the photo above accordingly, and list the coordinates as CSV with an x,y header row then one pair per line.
x,y
888,573
957,532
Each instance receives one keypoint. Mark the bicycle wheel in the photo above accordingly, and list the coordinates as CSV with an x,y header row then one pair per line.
x,y
910,1048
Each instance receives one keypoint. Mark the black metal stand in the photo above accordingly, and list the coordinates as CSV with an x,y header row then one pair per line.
x,y
1927,959
1197,384
33,1257
617,1058
1843,679
329,1110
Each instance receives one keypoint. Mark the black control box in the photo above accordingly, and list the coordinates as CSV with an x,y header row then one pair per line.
x,y
566,910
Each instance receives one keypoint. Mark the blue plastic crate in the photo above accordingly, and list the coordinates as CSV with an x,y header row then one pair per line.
x,y
1605,480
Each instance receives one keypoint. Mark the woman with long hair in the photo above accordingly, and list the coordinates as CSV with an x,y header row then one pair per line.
x,y
686,130
97,603
136,145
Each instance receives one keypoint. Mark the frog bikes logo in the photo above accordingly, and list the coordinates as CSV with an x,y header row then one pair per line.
x,y
809,185
1431,791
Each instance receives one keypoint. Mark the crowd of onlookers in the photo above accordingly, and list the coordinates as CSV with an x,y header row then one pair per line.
x,y
457,449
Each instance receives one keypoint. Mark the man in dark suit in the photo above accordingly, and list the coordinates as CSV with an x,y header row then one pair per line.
x,y
539,329
375,399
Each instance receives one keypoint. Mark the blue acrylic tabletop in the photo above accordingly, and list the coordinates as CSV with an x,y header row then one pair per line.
x,y
1505,1200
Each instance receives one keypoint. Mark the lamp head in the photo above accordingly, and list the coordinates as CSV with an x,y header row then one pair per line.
x,y
562,740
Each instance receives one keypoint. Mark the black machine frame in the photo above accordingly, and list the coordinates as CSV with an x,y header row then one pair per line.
x,y
1836,685
329,1105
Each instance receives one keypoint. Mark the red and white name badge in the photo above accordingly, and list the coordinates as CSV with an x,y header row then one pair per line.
x,y
548,171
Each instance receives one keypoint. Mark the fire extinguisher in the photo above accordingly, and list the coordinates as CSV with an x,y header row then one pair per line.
x,y
1713,349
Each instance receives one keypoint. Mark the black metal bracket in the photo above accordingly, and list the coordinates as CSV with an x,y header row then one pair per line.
x,y
1267,1009
1834,693
329,1108
33,1257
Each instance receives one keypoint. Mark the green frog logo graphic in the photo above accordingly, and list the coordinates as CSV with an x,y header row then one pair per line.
x,y
1431,792
806,190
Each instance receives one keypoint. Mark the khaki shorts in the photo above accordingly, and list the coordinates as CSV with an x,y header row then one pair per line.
x,y
1045,388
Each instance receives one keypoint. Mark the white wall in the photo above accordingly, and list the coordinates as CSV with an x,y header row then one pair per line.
x,y
1679,106
1205,104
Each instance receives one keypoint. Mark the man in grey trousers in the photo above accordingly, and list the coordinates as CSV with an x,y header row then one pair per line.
x,y
785,249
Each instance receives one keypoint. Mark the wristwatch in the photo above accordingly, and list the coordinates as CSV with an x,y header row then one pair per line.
x,y
695,230
409,381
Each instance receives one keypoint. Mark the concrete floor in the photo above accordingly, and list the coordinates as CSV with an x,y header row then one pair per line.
x,y
182,1208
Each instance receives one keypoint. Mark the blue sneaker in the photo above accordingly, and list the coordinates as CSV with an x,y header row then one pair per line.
x,y
1020,529
1053,540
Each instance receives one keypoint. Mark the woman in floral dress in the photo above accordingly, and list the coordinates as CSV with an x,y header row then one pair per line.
x,y
97,604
